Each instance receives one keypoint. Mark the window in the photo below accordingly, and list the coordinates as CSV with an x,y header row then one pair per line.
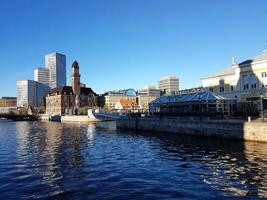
x,y
263,74
245,86
232,88
253,81
211,89
245,80
221,85
254,86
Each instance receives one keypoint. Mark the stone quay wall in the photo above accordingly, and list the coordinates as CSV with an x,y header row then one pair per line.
x,y
251,131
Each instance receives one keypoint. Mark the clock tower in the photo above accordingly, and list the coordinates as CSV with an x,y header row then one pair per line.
x,y
75,78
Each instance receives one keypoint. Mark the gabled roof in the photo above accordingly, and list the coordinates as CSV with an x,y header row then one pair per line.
x,y
87,91
127,102
257,58
228,71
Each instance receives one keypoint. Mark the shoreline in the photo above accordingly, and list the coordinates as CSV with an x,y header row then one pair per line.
x,y
237,130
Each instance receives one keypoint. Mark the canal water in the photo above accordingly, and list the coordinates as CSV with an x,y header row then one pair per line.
x,y
47,160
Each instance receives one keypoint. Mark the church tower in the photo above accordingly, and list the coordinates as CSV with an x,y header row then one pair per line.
x,y
75,78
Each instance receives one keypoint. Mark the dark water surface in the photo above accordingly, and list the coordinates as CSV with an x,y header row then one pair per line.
x,y
70,161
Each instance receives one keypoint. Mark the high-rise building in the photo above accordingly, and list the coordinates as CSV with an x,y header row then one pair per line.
x,y
169,85
30,93
56,64
41,75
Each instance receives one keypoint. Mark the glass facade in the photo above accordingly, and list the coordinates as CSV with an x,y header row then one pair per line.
x,y
41,75
30,93
56,63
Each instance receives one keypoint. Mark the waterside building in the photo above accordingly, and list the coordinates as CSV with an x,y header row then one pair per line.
x,y
244,82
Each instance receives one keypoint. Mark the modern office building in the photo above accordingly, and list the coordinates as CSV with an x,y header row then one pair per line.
x,y
41,75
30,93
169,85
56,64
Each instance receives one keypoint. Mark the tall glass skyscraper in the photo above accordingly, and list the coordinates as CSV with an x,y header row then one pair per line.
x,y
41,75
56,64
31,93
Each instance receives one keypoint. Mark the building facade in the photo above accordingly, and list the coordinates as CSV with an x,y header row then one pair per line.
x,y
8,104
30,93
243,82
67,100
41,75
169,85
56,64
112,97
146,95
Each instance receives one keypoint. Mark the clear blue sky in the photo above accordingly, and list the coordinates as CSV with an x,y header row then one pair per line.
x,y
129,43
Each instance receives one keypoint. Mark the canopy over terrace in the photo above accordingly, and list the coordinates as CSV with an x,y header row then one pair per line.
x,y
199,103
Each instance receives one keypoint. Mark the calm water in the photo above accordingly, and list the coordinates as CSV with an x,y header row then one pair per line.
x,y
68,161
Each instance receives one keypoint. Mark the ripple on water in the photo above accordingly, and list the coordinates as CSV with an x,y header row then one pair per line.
x,y
59,161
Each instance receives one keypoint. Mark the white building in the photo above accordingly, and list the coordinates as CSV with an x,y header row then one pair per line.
x,y
56,64
169,85
243,81
41,75
30,93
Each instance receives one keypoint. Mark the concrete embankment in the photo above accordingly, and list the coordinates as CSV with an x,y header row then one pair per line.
x,y
251,131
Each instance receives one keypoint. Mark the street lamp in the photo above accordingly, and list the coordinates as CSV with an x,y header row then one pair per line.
x,y
262,111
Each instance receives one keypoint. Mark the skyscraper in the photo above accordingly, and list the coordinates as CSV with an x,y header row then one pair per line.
x,y
26,93
41,75
30,93
56,64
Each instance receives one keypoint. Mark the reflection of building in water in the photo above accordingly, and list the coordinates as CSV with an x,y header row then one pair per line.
x,y
240,174
38,145
51,152
235,168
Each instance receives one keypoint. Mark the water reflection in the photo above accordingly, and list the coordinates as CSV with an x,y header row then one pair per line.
x,y
47,151
233,167
93,161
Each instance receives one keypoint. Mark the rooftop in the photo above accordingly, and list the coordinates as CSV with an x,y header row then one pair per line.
x,y
225,72
168,78
191,97
257,58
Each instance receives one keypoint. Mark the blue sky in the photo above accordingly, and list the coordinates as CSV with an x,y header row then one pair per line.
x,y
129,43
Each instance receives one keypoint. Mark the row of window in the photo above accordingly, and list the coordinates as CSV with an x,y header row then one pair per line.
x,y
232,88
